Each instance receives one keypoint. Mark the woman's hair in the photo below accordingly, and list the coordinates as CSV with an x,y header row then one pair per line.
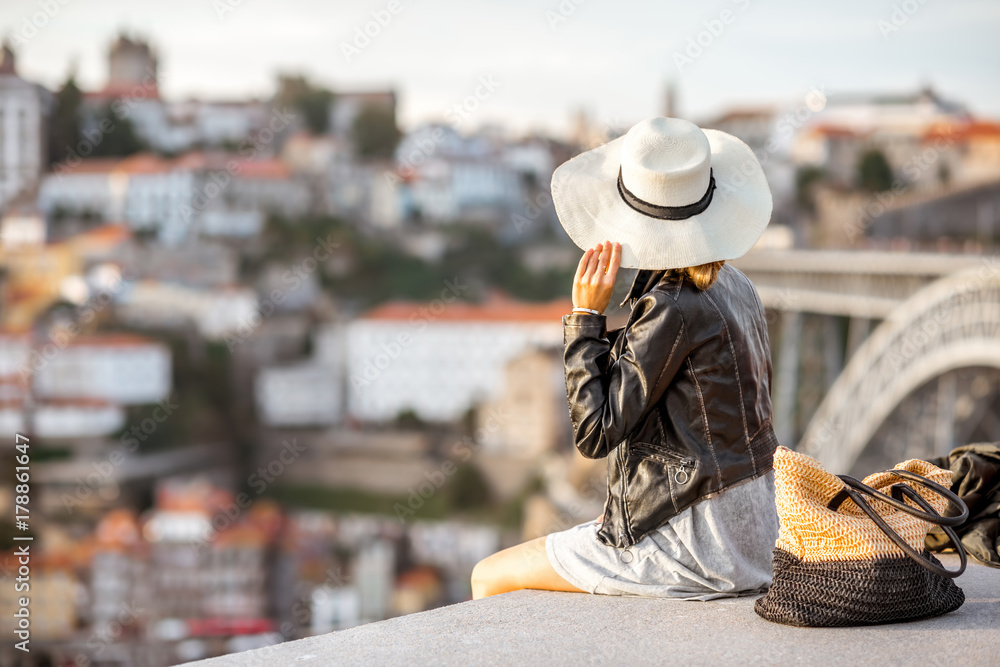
x,y
703,275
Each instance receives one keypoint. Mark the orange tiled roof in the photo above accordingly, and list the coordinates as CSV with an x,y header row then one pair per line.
x,y
271,169
138,91
143,163
104,235
112,340
147,163
94,165
981,129
830,130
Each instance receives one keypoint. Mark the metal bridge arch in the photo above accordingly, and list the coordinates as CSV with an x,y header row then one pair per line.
x,y
952,323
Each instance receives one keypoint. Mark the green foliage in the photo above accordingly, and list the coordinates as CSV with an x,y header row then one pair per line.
x,y
409,419
317,496
64,123
144,433
805,178
375,133
511,514
120,141
42,452
309,101
874,172
380,270
467,489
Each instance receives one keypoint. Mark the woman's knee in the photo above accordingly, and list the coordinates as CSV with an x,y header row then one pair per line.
x,y
484,578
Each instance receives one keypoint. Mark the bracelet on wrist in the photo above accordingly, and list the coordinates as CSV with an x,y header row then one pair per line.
x,y
586,310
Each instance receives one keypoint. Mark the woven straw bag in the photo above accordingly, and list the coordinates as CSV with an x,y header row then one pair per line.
x,y
842,560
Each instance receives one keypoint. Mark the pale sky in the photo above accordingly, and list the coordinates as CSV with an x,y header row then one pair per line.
x,y
610,57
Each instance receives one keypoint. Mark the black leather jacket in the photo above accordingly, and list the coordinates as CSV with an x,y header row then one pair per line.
x,y
679,397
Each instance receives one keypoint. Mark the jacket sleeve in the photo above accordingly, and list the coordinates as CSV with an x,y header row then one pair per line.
x,y
607,398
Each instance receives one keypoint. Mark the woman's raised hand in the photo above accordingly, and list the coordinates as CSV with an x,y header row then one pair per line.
x,y
595,276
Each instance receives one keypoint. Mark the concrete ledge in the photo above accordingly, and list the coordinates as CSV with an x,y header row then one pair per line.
x,y
540,627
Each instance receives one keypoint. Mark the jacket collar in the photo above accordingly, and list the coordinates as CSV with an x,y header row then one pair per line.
x,y
645,280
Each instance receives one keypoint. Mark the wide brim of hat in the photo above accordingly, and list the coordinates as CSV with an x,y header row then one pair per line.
x,y
590,209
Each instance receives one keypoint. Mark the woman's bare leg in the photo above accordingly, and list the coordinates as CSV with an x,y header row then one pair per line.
x,y
522,566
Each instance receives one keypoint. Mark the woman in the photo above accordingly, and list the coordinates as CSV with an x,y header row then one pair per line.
x,y
679,398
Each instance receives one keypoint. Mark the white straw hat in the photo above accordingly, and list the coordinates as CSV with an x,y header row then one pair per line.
x,y
674,195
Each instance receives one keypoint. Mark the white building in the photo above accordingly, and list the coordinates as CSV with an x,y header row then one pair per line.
x,y
24,107
15,351
447,177
77,418
440,359
119,368
132,93
215,312
306,394
452,545
310,393
348,105
79,389
213,194
21,227
836,136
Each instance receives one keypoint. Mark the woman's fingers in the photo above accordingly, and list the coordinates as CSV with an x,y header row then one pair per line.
x,y
616,261
602,261
593,263
581,268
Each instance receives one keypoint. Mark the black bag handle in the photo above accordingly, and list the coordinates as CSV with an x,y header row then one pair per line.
x,y
856,490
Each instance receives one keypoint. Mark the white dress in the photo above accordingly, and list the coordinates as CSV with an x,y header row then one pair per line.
x,y
719,547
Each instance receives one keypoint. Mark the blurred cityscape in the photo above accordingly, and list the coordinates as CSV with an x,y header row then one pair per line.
x,y
286,368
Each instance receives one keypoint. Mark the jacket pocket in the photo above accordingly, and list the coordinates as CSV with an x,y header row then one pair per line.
x,y
680,467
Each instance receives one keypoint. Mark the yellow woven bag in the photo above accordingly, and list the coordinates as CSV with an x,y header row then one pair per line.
x,y
842,560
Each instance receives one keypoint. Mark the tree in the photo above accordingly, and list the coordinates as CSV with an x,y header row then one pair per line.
x,y
121,140
64,123
311,102
375,133
874,172
467,489
805,178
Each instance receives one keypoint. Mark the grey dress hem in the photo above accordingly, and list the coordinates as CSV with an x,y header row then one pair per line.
x,y
719,547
